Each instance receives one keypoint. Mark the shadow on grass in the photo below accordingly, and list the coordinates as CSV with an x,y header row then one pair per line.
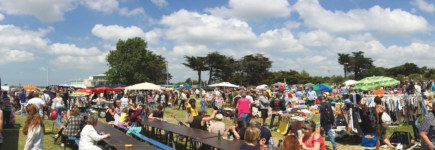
x,y
11,137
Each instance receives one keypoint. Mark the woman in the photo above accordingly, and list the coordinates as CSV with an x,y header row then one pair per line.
x,y
89,136
132,109
124,101
110,114
176,97
204,103
237,130
34,129
153,100
243,105
7,108
150,98
252,135
291,143
311,140
71,126
57,105
118,111
146,111
380,129
191,107
68,113
134,117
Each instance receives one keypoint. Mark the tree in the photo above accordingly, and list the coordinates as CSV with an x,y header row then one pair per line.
x,y
405,69
305,73
400,77
133,63
356,64
256,68
197,64
187,80
213,61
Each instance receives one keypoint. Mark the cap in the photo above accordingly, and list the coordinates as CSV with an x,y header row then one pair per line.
x,y
219,117
201,111
321,97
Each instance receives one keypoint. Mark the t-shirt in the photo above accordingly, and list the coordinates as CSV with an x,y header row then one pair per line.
x,y
244,104
191,110
217,126
299,95
428,125
22,97
241,133
157,115
245,146
38,102
265,133
9,106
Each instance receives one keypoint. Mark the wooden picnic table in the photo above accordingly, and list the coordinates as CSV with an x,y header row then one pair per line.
x,y
224,144
118,139
182,130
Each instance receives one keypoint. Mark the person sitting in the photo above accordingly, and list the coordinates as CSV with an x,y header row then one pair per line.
x,y
89,136
265,133
237,130
135,117
199,122
146,111
158,114
218,125
252,135
311,140
71,126
110,113
122,121
290,143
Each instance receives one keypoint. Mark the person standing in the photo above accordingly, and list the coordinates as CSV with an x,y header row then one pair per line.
x,y
197,93
234,104
299,94
34,129
57,105
311,96
66,100
278,104
38,102
326,119
46,98
243,108
22,100
7,108
264,107
380,129
426,129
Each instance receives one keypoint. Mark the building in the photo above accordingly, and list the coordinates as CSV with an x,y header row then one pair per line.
x,y
90,82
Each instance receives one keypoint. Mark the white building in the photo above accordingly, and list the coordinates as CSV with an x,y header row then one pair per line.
x,y
90,82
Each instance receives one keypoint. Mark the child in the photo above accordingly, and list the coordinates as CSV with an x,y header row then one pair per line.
x,y
122,121
204,103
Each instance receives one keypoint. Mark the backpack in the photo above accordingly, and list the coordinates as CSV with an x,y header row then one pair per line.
x,y
386,120
327,114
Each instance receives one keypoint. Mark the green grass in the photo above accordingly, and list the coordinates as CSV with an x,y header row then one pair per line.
x,y
15,139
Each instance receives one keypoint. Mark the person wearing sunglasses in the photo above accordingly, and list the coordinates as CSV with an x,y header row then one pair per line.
x,y
311,140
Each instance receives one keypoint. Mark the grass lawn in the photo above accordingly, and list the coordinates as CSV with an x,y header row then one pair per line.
x,y
14,139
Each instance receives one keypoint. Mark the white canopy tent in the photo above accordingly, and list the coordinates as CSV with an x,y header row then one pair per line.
x,y
350,82
261,87
223,84
144,86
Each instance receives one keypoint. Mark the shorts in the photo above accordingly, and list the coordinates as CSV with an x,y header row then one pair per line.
x,y
380,130
264,114
23,105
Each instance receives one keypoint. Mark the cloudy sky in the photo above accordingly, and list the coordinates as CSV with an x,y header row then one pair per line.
x,y
72,37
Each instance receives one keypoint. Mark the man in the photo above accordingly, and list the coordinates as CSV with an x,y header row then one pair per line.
x,y
230,94
326,119
264,107
235,99
311,96
200,121
278,104
427,130
197,93
299,94
413,116
47,100
265,133
218,125
38,102
65,99
158,114
23,101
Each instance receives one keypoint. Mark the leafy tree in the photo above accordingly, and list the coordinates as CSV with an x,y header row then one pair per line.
x,y
400,77
256,68
415,76
405,69
197,64
187,81
213,61
133,63
305,73
357,63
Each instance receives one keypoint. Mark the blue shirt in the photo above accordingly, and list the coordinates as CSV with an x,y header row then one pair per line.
x,y
9,106
265,133
311,95
245,146
22,97
157,115
299,94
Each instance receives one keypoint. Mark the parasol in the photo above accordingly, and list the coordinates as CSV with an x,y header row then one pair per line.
x,y
102,89
308,84
372,83
223,84
321,87
278,84
350,82
120,88
86,90
30,87
79,94
261,87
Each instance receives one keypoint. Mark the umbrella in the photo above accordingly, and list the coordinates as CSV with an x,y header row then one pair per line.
x,y
350,82
321,87
176,86
261,87
223,84
79,94
30,87
86,90
308,84
116,86
102,89
143,86
186,85
278,84
120,88
372,83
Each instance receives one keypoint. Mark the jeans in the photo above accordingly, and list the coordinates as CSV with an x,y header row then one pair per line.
x,y
271,120
182,105
59,112
311,102
245,117
327,129
6,118
415,127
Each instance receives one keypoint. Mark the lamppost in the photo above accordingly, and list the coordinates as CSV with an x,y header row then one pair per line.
x,y
345,71
167,72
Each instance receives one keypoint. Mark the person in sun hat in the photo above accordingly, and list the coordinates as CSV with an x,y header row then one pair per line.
x,y
218,125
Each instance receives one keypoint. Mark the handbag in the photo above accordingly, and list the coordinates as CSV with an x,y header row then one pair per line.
x,y
53,114
189,118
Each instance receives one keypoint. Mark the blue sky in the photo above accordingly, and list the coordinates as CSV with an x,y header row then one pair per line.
x,y
72,37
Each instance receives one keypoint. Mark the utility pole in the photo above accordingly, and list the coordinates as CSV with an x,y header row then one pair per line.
x,y
167,72
47,77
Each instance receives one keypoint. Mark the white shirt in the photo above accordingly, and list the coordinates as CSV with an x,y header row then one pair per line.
x,y
250,98
88,137
124,101
38,102
217,93
58,102
35,139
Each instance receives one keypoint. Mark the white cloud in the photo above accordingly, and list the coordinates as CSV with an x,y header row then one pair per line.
x,y
423,5
14,56
189,50
71,49
393,22
361,37
115,32
253,9
2,17
192,27
160,3
44,10
13,37
137,11
43,69
292,24
106,6
79,62
316,38
279,40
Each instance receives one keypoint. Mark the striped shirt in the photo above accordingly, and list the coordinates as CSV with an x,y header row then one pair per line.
x,y
9,106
